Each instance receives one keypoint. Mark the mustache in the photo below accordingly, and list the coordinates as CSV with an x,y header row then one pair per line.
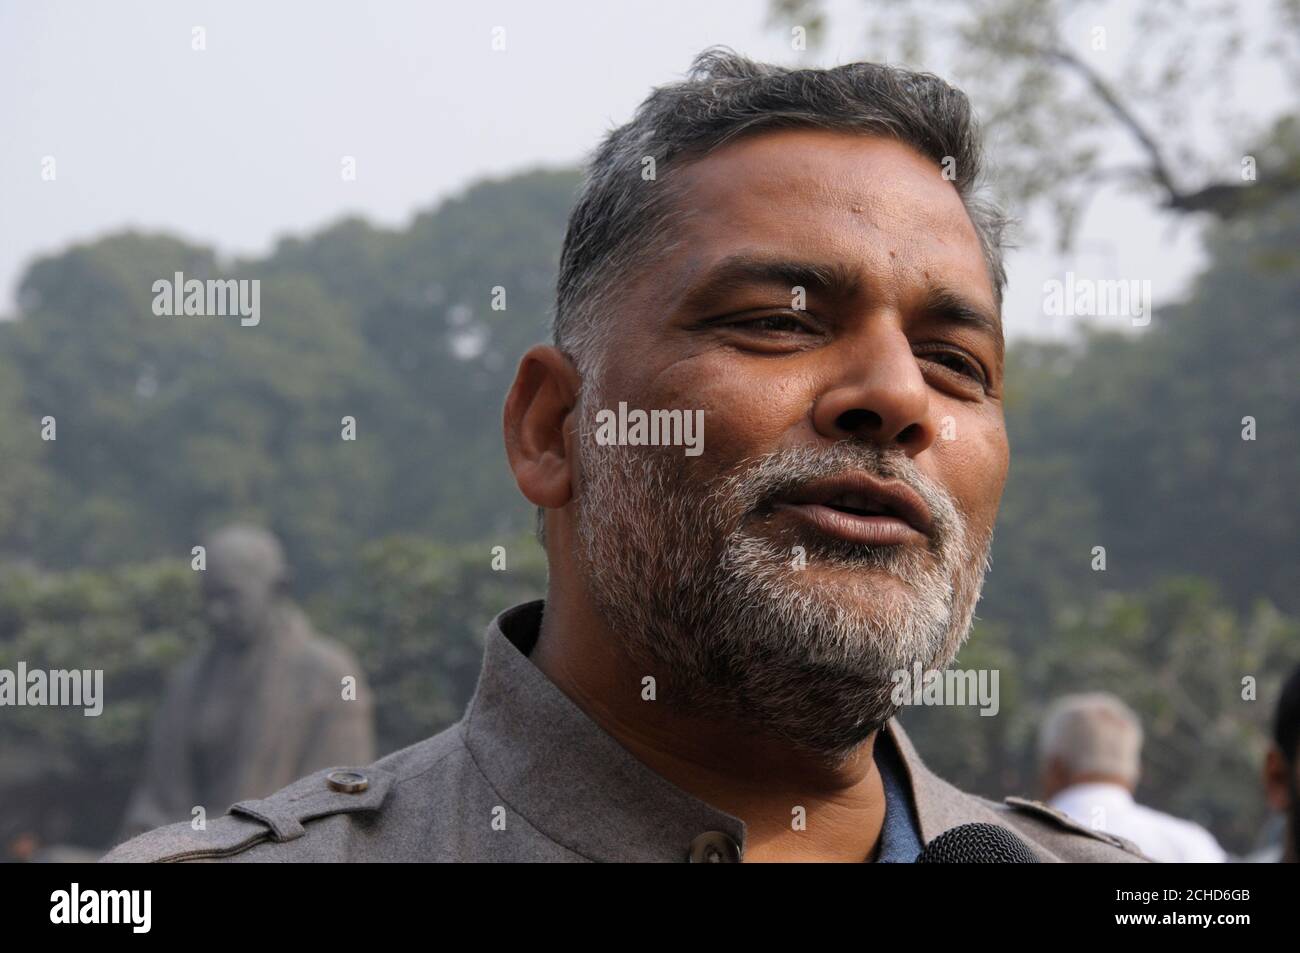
x,y
756,483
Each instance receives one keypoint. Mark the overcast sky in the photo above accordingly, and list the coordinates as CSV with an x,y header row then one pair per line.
x,y
241,143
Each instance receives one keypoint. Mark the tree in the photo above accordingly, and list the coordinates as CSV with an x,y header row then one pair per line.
x,y
1058,83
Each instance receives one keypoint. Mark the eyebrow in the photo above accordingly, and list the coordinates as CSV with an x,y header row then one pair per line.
x,y
945,304
834,280
741,272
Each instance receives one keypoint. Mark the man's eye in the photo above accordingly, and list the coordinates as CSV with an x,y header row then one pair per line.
x,y
958,362
773,322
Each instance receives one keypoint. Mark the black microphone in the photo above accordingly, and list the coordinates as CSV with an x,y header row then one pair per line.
x,y
977,844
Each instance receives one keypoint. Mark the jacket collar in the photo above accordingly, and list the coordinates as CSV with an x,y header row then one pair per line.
x,y
574,783
569,779
939,805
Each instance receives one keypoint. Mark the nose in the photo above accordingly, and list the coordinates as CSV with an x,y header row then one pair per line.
x,y
877,392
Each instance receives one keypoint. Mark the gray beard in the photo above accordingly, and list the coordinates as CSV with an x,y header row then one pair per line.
x,y
732,628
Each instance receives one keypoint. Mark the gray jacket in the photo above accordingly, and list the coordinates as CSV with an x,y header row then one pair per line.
x,y
525,775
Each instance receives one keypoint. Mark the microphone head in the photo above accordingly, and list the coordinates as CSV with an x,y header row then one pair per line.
x,y
977,844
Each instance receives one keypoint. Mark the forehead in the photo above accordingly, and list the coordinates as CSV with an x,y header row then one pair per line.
x,y
871,204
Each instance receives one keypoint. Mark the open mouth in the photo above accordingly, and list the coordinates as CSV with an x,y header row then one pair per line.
x,y
860,508
856,504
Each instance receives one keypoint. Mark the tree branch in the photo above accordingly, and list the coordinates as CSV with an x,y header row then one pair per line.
x,y
1159,169
1223,199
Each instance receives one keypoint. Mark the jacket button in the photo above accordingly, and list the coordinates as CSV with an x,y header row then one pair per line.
x,y
349,782
714,847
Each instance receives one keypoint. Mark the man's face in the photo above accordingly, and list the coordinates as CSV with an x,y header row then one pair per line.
x,y
827,305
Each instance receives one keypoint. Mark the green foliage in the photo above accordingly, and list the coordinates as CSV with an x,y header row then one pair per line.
x,y
63,773
415,614
1135,443
168,426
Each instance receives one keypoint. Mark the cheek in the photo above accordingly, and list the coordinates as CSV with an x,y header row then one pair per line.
x,y
973,466
748,407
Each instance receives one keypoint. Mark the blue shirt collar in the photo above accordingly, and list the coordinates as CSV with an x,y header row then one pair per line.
x,y
900,837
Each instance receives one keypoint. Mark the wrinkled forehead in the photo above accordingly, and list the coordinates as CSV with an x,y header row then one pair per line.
x,y
865,203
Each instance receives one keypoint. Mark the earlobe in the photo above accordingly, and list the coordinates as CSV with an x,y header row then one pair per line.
x,y
536,425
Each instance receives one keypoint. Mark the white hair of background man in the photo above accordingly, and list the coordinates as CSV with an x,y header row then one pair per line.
x,y
1093,734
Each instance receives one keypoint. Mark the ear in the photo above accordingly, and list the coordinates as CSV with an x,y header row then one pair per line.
x,y
536,422
1277,790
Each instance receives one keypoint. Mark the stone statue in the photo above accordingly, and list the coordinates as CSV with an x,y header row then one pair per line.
x,y
263,704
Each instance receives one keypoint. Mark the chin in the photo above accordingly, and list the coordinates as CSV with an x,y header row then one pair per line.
x,y
866,590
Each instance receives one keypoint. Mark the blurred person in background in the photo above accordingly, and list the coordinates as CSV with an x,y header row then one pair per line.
x,y
1090,752
1282,773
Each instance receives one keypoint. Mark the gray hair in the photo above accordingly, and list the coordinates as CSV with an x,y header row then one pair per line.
x,y
1095,734
620,226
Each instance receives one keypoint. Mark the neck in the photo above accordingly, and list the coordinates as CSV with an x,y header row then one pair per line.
x,y
752,775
